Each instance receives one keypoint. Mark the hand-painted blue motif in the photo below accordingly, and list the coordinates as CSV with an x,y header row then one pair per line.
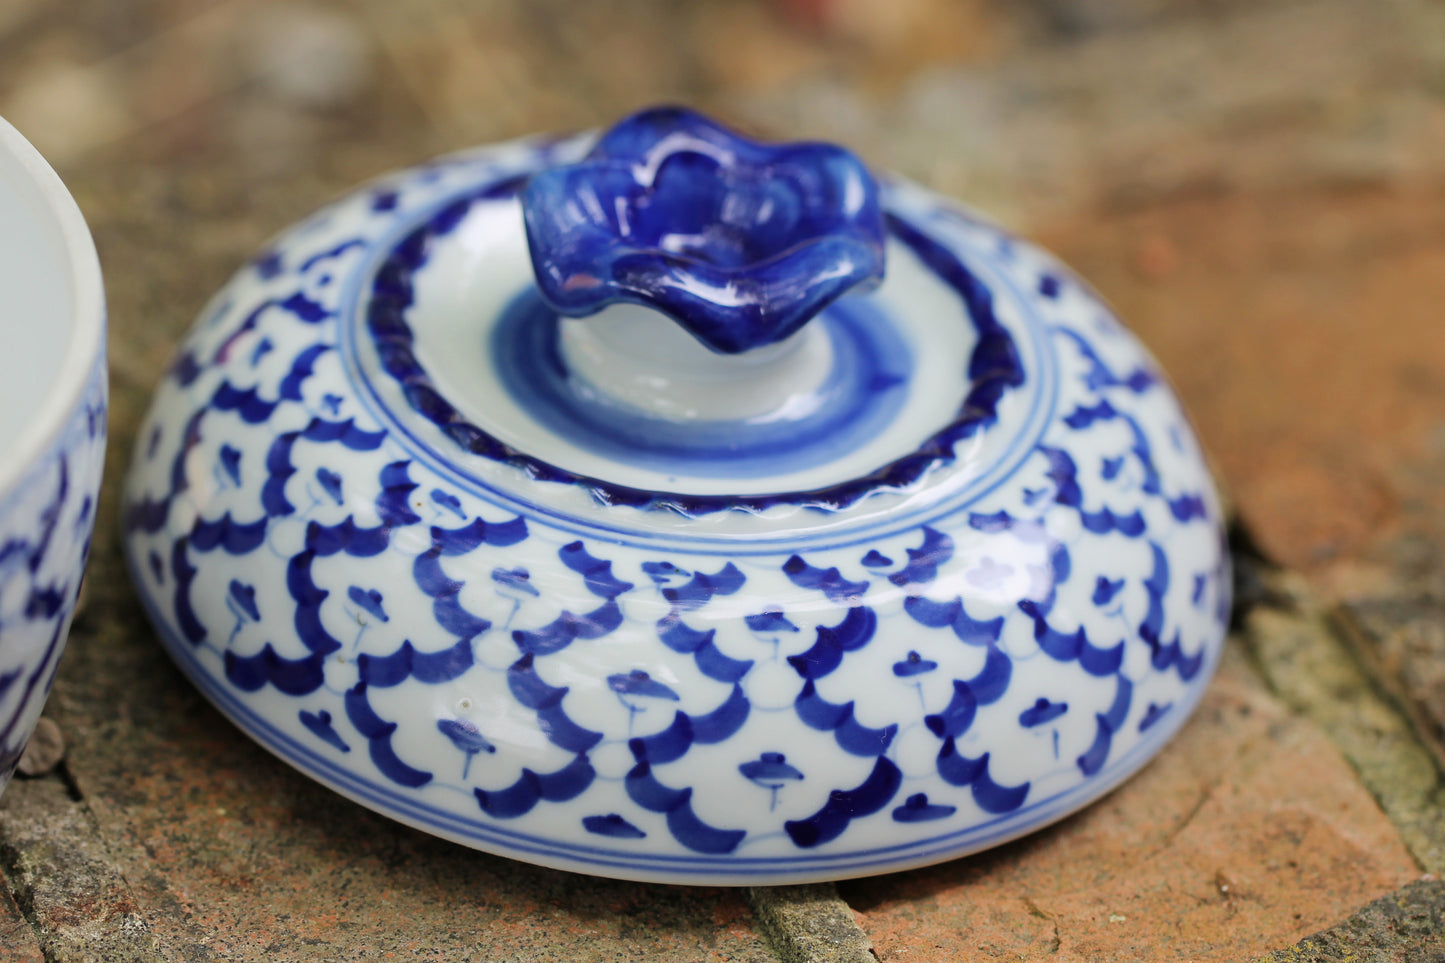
x,y
46,522
863,697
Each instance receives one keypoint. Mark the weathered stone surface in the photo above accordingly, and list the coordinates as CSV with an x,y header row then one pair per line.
x,y
1402,637
17,938
63,873
809,924
1407,925
1245,834
1312,669
1391,602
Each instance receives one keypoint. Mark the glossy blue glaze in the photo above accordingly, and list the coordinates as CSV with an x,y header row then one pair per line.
x,y
740,242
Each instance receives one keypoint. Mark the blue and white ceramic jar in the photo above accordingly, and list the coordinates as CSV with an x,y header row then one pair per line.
x,y
670,506
52,428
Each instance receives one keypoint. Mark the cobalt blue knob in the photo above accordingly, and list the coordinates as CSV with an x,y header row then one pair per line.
x,y
740,242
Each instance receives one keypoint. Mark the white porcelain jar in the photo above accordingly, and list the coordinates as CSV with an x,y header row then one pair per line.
x,y
52,428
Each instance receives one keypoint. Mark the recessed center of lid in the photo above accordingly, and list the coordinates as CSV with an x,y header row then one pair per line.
x,y
676,409
881,374
634,357
923,387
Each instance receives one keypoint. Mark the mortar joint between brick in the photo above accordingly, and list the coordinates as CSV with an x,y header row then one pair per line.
x,y
1387,767
1352,635
794,921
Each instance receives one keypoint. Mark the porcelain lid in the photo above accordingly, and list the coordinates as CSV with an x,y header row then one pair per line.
x,y
929,571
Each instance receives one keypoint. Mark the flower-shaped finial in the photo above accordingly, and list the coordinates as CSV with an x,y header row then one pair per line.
x,y
739,242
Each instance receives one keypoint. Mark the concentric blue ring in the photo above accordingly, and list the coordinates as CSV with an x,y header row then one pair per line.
x,y
865,389
994,370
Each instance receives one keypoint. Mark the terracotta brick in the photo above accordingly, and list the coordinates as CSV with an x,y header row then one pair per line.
x,y
1303,332
1247,833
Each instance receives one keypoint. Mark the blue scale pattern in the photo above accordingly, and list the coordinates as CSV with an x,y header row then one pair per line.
x,y
314,480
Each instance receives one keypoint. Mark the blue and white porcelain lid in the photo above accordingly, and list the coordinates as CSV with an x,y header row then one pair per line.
x,y
672,506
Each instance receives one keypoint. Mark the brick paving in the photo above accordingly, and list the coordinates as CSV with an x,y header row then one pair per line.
x,y
1249,832
1258,187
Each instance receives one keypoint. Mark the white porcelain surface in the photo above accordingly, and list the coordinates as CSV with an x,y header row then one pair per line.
x,y
605,664
52,428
